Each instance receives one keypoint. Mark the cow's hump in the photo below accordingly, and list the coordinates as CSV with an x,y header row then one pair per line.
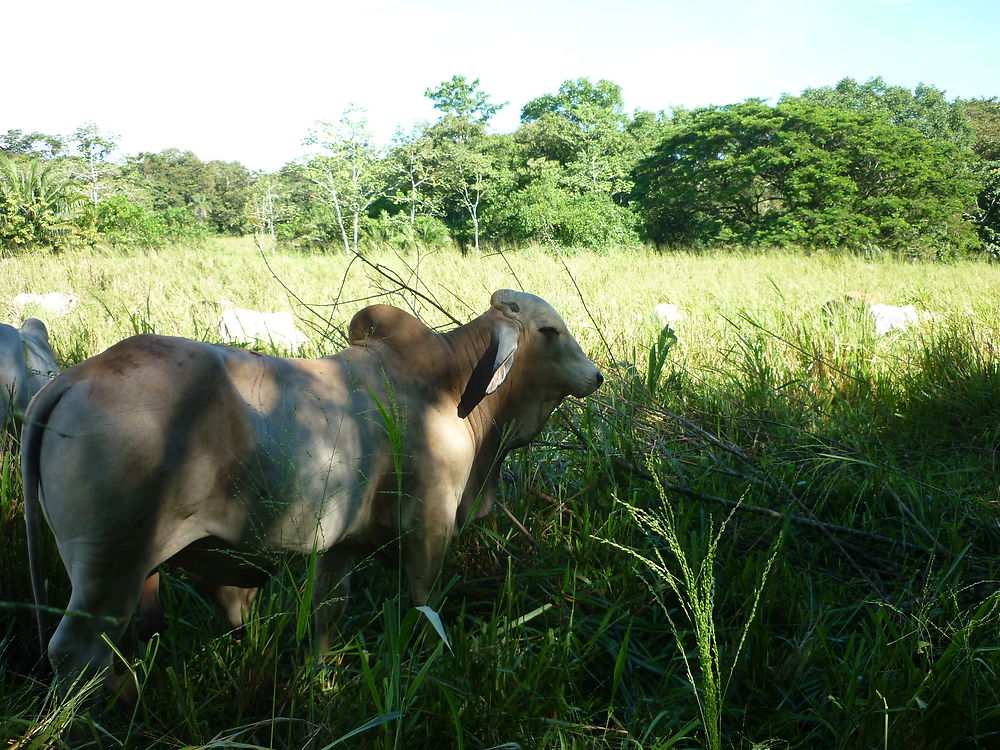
x,y
385,323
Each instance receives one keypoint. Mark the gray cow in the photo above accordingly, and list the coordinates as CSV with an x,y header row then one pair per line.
x,y
26,365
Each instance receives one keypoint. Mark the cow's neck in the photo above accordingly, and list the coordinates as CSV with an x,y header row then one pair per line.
x,y
488,423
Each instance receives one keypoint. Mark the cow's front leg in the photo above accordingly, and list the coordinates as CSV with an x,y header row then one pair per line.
x,y
424,549
429,525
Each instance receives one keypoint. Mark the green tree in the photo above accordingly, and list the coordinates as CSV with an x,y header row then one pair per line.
x,y
584,131
463,174
987,214
227,201
703,184
583,127
38,205
413,156
925,109
124,223
41,145
169,179
349,175
463,99
214,193
803,173
544,210
463,166
984,117
94,149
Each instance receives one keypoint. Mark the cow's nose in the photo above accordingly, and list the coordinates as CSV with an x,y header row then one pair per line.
x,y
600,379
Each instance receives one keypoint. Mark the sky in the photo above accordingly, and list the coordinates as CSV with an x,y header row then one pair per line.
x,y
246,80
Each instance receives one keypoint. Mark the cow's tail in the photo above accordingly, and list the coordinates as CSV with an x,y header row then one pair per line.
x,y
36,421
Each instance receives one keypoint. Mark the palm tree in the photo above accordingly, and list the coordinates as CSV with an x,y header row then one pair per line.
x,y
37,204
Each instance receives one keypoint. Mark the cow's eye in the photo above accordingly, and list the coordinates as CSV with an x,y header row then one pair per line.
x,y
549,331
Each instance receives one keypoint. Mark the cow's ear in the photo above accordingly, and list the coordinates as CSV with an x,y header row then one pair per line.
x,y
506,333
492,368
34,325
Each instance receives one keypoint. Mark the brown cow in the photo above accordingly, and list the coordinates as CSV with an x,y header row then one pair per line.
x,y
164,450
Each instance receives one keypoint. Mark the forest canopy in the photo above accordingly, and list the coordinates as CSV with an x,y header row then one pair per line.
x,y
866,167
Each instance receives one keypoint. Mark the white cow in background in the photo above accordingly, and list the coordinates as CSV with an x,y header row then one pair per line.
x,y
668,314
26,365
892,318
238,326
886,318
55,303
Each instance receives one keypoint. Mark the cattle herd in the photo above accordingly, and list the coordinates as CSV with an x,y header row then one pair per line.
x,y
878,317
216,460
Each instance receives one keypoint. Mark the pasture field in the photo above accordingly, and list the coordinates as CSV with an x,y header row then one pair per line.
x,y
772,530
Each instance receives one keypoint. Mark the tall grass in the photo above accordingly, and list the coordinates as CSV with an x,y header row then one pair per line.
x,y
803,522
694,588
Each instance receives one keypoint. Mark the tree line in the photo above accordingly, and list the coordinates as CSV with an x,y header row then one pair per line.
x,y
866,167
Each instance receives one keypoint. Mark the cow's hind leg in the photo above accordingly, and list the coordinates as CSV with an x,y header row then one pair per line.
x,y
103,600
150,619
332,588
234,601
